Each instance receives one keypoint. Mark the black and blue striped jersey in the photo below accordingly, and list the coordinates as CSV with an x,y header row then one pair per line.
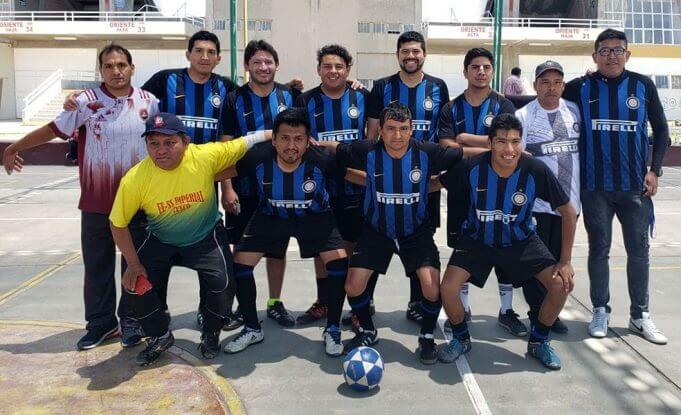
x,y
614,142
199,106
458,116
396,189
500,208
248,112
341,120
425,102
293,194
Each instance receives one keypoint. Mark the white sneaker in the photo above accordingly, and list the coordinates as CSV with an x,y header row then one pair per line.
x,y
645,327
332,341
246,338
599,323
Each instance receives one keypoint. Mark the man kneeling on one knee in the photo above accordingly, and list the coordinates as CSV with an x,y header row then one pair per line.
x,y
499,232
174,187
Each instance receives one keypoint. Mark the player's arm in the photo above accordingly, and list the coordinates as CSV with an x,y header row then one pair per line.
x,y
445,127
229,199
564,266
661,140
224,178
472,140
434,184
10,157
373,127
123,240
357,177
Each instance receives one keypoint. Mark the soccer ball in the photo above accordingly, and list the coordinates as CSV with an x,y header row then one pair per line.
x,y
363,368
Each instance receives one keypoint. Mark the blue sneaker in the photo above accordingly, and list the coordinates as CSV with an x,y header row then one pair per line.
x,y
451,351
545,354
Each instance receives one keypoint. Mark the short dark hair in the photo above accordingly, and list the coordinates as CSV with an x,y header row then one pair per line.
x,y
504,122
293,117
515,71
610,34
203,35
395,111
476,53
255,46
411,36
334,49
114,47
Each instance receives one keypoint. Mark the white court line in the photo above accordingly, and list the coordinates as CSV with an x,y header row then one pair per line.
x,y
469,382
17,219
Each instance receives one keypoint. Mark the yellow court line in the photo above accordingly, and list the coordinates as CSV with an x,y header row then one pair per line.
x,y
37,278
223,388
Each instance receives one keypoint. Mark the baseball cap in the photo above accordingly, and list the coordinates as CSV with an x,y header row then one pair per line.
x,y
164,123
548,66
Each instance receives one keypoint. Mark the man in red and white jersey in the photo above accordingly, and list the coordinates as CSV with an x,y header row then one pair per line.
x,y
107,125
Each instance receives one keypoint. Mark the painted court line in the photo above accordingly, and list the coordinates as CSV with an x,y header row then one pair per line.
x,y
469,382
26,285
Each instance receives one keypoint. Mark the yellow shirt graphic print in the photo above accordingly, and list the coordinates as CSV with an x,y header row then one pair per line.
x,y
180,204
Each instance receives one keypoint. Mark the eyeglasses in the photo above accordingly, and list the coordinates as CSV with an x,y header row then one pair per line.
x,y
618,51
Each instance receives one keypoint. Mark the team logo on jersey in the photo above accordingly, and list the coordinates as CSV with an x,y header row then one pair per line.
x,y
519,198
575,126
144,114
632,103
158,122
94,106
281,108
353,112
309,186
216,101
428,104
488,120
415,176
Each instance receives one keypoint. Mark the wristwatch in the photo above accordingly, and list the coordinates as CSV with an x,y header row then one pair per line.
x,y
657,172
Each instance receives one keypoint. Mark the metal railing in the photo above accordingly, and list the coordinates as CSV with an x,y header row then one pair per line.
x,y
41,95
84,16
537,22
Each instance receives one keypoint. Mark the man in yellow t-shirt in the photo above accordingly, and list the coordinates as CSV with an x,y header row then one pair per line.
x,y
174,187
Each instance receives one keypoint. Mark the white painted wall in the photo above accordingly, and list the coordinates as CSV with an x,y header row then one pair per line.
x,y
450,69
7,99
33,65
148,62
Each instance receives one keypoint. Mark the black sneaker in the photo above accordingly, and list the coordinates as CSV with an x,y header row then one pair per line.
x,y
317,311
278,313
199,319
559,327
414,311
210,345
363,338
131,336
233,321
426,351
155,346
97,335
509,321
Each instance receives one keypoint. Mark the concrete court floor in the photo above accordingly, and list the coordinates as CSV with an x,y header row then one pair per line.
x,y
41,312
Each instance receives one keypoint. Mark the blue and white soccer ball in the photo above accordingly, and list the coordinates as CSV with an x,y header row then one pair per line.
x,y
363,368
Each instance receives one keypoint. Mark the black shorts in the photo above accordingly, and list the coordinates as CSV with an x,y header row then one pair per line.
x,y
457,210
433,208
236,224
270,235
349,216
519,262
375,250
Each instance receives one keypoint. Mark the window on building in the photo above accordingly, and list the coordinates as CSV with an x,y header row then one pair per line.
x,y
676,81
647,17
662,81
